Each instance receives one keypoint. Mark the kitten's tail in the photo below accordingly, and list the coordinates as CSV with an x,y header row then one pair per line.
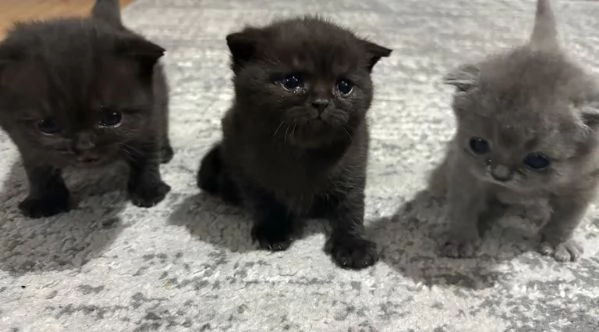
x,y
544,35
108,11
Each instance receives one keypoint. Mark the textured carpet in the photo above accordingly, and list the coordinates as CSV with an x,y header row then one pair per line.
x,y
188,263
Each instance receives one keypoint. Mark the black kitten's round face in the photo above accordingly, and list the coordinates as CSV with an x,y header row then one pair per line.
x,y
86,127
96,141
312,108
77,100
308,82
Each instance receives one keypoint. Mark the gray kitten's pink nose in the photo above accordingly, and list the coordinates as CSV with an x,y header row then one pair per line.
x,y
501,173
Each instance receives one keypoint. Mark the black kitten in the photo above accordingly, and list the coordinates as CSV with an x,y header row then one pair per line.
x,y
296,139
84,92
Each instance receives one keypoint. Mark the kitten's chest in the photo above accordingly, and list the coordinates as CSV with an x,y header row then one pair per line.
x,y
290,173
296,179
510,197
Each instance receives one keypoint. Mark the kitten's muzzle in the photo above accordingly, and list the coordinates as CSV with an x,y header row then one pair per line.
x,y
84,144
84,141
89,159
320,104
501,173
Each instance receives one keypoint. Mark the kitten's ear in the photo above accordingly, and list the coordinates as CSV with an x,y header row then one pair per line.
x,y
8,55
463,78
243,46
375,53
146,52
590,114
3,63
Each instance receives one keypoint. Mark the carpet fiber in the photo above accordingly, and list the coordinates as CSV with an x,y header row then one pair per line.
x,y
189,263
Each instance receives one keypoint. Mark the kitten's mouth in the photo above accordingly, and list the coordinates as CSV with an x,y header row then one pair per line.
x,y
317,123
91,160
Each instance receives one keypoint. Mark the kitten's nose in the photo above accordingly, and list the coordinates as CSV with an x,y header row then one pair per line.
x,y
84,141
320,104
501,173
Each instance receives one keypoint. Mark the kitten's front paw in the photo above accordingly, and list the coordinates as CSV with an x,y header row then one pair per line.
x,y
568,251
149,195
271,237
353,253
459,248
166,153
46,206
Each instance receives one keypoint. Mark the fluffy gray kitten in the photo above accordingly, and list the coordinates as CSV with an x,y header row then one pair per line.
x,y
527,124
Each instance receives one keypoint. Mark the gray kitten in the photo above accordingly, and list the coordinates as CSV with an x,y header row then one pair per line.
x,y
526,135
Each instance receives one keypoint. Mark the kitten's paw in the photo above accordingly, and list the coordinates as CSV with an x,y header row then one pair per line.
x,y
228,190
273,238
353,253
45,206
166,153
149,195
568,251
457,248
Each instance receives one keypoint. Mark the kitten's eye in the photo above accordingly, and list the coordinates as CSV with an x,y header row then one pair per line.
x,y
292,82
49,126
345,87
110,118
537,161
479,145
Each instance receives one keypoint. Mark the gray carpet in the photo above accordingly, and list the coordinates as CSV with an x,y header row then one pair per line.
x,y
189,264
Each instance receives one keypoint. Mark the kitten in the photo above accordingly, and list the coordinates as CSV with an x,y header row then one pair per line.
x,y
295,141
84,92
527,135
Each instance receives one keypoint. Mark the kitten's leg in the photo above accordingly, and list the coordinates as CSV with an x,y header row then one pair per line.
x,y
466,200
491,214
273,222
166,150
214,178
437,181
162,114
556,235
145,186
347,244
48,194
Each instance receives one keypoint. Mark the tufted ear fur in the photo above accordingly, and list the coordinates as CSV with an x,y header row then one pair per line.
x,y
463,78
8,55
139,48
590,114
375,52
3,64
243,46
143,51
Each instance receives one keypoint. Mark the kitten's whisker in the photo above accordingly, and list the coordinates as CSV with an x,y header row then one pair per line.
x,y
286,132
277,130
351,138
130,152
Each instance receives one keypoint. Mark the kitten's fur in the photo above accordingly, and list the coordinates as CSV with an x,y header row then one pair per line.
x,y
70,78
278,156
532,99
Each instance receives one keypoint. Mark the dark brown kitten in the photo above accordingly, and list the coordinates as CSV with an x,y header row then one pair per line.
x,y
296,139
84,92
